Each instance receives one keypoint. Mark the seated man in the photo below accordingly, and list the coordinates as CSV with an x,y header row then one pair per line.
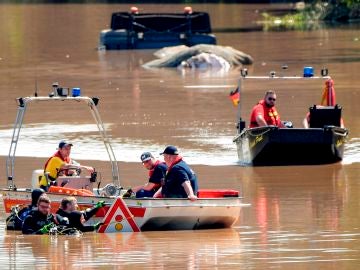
x,y
60,164
157,172
264,113
180,179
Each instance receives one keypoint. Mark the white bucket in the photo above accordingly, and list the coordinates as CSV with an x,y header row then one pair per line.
x,y
35,179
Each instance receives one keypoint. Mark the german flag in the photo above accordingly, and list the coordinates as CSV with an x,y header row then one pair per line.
x,y
235,96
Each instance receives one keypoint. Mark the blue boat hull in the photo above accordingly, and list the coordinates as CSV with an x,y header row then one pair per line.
x,y
124,40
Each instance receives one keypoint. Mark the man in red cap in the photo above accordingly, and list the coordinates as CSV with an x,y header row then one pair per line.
x,y
180,179
60,164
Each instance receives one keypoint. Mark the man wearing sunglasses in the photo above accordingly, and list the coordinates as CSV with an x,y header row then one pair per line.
x,y
264,113
40,220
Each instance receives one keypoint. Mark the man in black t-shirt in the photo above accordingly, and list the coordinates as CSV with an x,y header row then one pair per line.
x,y
157,172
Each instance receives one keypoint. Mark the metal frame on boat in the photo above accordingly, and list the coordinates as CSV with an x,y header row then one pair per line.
x,y
213,209
322,143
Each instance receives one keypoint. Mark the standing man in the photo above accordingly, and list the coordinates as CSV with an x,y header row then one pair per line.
x,y
60,164
180,179
157,172
264,113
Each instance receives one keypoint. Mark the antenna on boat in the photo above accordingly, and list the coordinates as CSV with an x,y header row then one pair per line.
x,y
241,123
36,88
324,72
284,68
244,72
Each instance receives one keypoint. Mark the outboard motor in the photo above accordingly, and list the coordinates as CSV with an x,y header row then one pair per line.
x,y
110,190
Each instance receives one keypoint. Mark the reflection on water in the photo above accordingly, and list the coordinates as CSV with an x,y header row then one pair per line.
x,y
185,250
319,196
243,247
352,151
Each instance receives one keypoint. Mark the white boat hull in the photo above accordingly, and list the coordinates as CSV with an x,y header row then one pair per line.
x,y
150,213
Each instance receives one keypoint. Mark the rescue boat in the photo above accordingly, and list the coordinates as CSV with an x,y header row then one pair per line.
x,y
213,209
322,143
136,30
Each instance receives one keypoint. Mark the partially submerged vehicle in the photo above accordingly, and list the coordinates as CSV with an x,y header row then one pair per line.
x,y
199,56
213,209
134,30
322,143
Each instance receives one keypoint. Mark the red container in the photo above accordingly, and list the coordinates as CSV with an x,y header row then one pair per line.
x,y
217,193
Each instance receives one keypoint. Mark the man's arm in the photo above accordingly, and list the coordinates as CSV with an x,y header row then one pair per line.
x,y
189,190
76,166
158,193
261,121
305,123
148,186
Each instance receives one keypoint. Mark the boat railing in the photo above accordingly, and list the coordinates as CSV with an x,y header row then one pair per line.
x,y
256,131
272,76
22,106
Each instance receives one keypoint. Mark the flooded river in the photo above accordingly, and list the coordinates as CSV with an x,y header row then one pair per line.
x,y
300,217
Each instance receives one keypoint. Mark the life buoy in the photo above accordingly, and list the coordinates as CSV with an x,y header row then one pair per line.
x,y
70,191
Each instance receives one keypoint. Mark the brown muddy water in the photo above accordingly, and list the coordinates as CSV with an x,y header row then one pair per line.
x,y
300,217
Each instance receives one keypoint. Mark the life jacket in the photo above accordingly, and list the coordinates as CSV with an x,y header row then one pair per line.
x,y
173,188
58,154
270,114
177,160
151,172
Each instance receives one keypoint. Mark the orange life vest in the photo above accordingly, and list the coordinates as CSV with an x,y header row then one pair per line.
x,y
270,114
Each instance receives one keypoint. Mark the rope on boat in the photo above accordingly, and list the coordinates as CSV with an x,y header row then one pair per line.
x,y
266,130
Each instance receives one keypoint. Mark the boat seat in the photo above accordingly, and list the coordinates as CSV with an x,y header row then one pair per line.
x,y
321,116
75,182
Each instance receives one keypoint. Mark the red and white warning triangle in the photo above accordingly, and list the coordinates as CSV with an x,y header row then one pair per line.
x,y
118,219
